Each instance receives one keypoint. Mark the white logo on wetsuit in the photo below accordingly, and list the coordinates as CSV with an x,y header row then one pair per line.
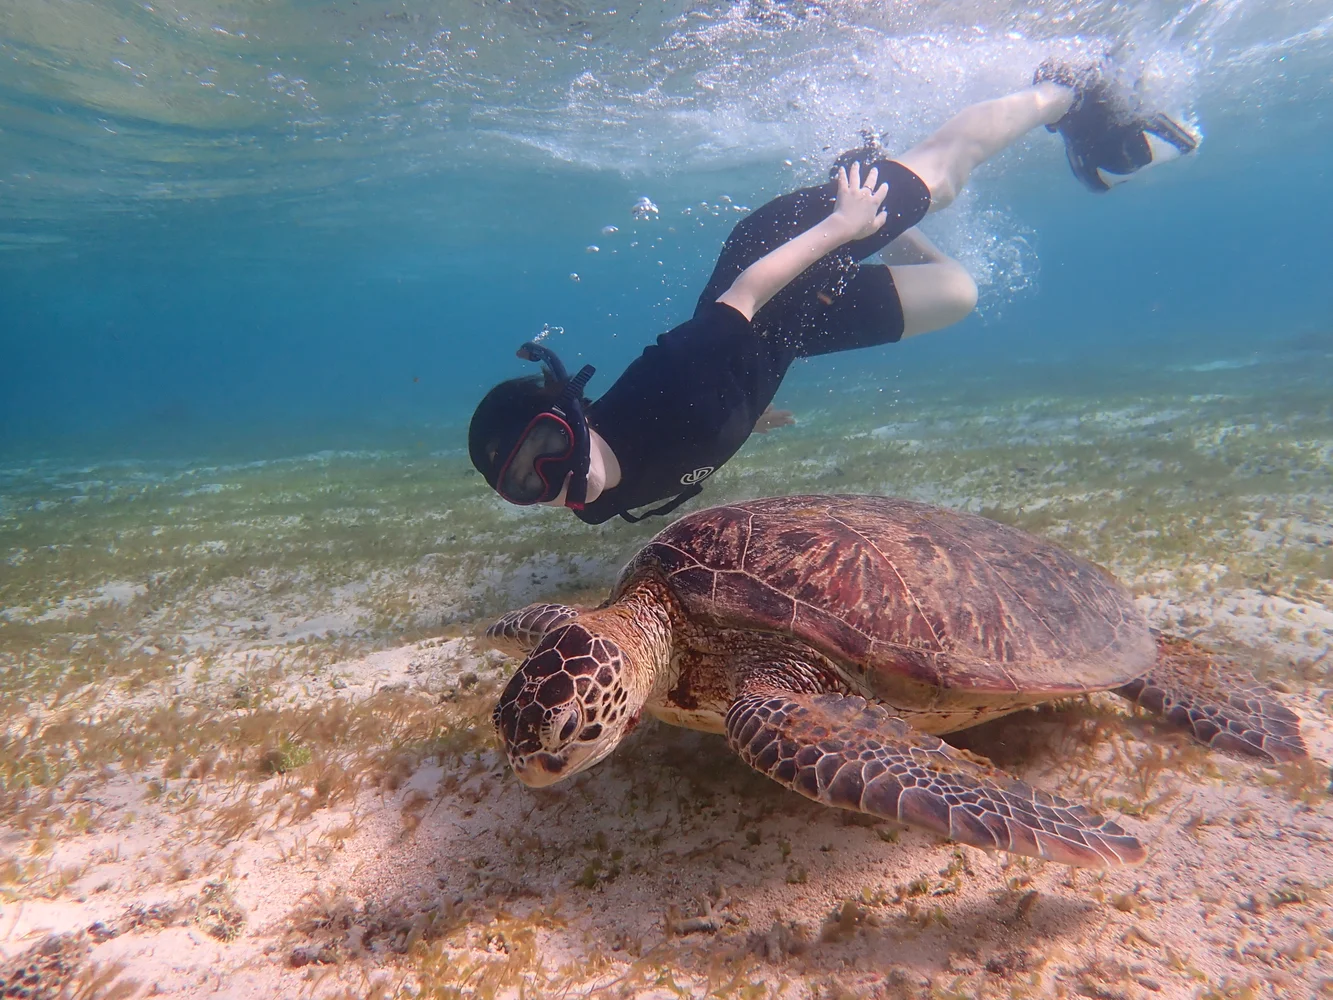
x,y
697,476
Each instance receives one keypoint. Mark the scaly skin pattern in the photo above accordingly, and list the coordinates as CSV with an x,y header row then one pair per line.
x,y
518,632
844,751
583,686
1224,707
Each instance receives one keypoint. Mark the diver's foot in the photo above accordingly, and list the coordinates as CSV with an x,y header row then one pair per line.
x,y
1108,135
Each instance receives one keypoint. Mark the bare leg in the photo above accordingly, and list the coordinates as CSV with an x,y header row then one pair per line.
x,y
947,158
935,290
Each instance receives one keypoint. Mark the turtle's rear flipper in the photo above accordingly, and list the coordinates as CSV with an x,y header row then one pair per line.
x,y
1224,707
845,752
518,632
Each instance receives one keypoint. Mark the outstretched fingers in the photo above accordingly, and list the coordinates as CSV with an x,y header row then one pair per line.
x,y
878,192
849,179
843,180
845,752
858,201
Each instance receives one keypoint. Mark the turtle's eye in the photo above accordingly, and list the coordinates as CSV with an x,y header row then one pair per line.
x,y
567,730
562,728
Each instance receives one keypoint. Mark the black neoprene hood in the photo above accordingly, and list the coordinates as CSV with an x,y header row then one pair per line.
x,y
501,417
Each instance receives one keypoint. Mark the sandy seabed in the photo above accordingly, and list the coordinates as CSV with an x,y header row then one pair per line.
x,y
247,752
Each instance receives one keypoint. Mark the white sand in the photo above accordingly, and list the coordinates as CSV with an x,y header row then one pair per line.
x,y
1236,889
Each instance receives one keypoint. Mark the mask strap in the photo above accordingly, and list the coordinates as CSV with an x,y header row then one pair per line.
x,y
568,405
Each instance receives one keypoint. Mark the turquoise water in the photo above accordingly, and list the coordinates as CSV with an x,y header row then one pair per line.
x,y
258,261
236,226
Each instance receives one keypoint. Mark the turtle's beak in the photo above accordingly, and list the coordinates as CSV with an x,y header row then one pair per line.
x,y
537,770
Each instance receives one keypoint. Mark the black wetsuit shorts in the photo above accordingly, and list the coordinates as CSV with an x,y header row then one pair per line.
x,y
837,304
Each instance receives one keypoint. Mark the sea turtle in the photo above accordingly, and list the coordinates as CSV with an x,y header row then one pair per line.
x,y
828,636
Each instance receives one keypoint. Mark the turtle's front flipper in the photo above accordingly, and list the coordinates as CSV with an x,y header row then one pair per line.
x,y
846,752
518,632
1223,706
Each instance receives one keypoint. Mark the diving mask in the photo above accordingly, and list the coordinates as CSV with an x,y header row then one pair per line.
x,y
554,446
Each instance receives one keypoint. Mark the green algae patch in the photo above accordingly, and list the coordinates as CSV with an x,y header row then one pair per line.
x,y
206,640
133,576
286,756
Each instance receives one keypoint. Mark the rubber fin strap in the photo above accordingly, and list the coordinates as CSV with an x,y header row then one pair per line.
x,y
666,508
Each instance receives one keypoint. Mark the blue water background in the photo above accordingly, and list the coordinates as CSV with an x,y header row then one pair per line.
x,y
251,303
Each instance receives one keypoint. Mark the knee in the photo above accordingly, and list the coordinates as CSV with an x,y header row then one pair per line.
x,y
959,293
934,296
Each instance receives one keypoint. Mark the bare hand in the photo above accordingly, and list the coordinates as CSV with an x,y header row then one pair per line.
x,y
771,418
858,201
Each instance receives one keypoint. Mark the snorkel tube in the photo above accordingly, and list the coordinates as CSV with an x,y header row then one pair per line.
x,y
569,407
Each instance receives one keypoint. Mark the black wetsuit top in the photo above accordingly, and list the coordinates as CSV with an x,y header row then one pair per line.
x,y
684,407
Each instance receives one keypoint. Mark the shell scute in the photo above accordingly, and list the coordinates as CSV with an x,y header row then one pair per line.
x,y
763,603
843,634
892,588
665,559
721,539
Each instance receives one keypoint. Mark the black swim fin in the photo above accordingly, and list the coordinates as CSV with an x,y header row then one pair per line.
x,y
1108,135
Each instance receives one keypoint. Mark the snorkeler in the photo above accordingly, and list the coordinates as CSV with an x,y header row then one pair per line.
x,y
790,283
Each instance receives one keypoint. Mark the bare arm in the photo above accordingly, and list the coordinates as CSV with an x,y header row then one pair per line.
x,y
855,215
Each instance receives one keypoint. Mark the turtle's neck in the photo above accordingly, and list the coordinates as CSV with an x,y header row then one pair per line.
x,y
639,622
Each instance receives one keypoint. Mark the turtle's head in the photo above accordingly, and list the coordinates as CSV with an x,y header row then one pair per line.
x,y
570,703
